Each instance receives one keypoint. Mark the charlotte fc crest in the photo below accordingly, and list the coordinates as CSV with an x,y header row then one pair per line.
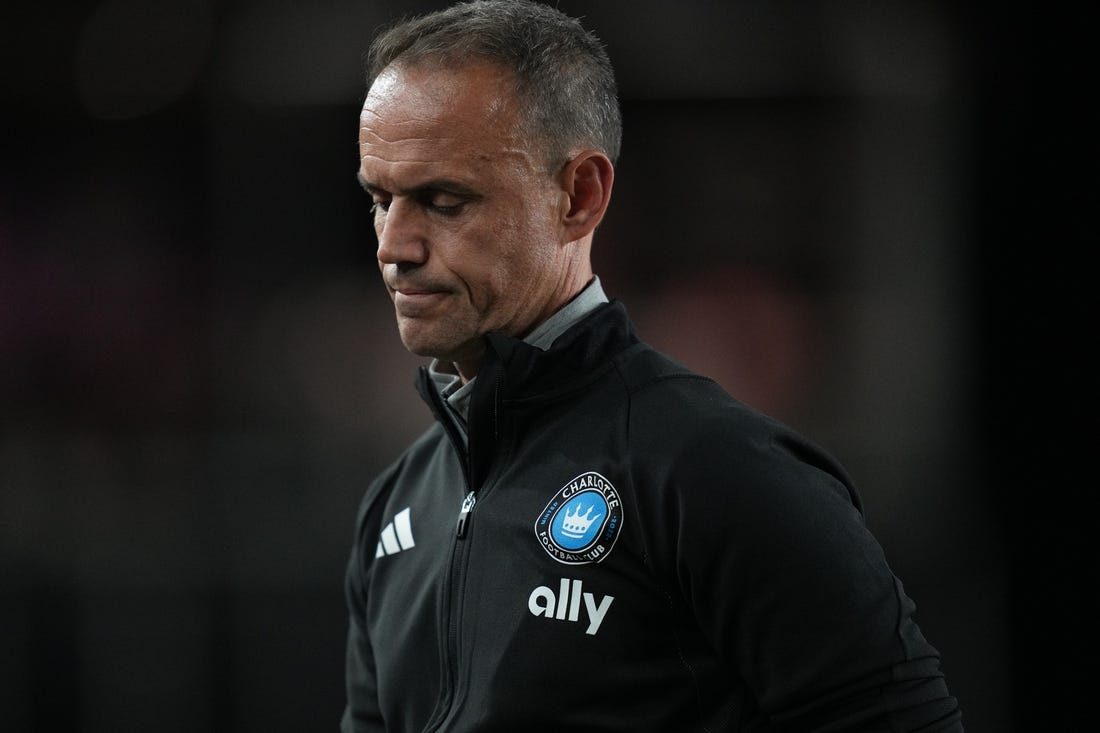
x,y
582,521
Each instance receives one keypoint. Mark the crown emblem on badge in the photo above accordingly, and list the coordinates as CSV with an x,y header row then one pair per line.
x,y
576,524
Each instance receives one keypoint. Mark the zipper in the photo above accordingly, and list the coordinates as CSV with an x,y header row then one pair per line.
x,y
453,593
464,514
471,496
451,589
455,583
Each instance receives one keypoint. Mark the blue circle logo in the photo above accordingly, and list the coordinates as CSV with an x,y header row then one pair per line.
x,y
582,522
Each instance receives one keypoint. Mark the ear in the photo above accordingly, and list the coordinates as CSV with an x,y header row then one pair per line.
x,y
586,180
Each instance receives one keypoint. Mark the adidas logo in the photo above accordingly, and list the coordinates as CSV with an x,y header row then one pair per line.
x,y
566,606
396,536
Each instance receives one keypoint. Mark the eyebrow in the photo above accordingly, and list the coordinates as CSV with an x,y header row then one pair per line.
x,y
448,185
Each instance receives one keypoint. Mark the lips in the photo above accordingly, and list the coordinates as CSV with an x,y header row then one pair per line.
x,y
416,301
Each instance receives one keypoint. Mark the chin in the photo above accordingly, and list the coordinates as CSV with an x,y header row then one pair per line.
x,y
442,349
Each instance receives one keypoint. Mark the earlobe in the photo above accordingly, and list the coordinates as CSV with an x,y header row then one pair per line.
x,y
587,181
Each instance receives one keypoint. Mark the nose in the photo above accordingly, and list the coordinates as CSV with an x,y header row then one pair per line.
x,y
402,239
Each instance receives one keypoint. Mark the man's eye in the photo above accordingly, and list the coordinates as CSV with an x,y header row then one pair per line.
x,y
444,203
377,206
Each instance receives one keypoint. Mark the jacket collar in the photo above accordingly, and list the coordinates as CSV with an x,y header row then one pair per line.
x,y
528,371
514,372
585,348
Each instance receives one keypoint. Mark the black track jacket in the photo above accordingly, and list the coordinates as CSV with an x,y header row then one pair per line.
x,y
623,547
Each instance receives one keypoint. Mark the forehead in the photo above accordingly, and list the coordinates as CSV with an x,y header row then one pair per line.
x,y
431,114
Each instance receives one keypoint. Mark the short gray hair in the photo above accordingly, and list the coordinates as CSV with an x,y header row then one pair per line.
x,y
563,76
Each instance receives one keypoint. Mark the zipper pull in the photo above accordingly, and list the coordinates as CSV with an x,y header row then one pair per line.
x,y
464,514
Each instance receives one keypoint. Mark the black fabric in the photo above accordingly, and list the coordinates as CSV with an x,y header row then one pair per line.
x,y
735,586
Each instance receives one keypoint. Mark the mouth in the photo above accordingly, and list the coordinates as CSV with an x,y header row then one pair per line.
x,y
416,301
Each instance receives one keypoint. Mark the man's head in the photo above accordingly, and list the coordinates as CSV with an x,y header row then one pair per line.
x,y
485,202
561,74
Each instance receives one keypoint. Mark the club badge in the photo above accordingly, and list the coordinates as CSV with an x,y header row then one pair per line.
x,y
582,522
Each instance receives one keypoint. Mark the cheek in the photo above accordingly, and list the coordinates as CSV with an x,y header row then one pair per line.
x,y
505,257
494,270
492,281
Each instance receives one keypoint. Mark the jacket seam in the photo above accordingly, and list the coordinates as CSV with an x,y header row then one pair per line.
x,y
658,379
670,602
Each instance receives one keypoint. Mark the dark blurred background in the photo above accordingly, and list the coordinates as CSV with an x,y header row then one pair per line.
x,y
869,219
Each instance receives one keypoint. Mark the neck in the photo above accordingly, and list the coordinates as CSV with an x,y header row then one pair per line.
x,y
575,277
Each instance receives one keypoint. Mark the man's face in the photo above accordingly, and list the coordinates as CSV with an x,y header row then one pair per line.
x,y
468,218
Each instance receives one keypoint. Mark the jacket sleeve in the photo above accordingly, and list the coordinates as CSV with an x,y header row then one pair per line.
x,y
361,713
773,558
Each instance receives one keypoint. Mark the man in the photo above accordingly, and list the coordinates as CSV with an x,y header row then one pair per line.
x,y
590,537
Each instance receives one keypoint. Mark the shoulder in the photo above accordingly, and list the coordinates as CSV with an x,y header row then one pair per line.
x,y
671,398
420,452
688,426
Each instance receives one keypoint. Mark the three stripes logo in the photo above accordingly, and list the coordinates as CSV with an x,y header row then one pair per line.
x,y
396,536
